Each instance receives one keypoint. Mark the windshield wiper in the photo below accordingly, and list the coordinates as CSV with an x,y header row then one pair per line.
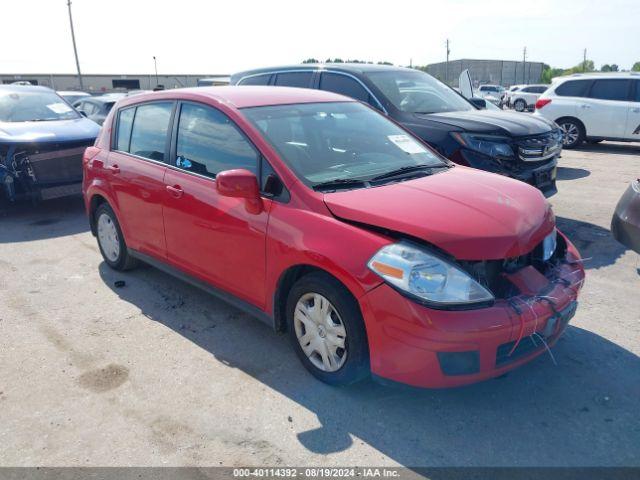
x,y
340,183
428,169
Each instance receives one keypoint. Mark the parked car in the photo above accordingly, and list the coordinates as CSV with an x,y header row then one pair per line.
x,y
625,225
96,108
72,96
594,107
322,217
502,142
41,143
525,97
492,93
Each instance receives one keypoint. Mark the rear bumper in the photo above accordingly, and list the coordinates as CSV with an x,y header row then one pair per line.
x,y
412,344
625,224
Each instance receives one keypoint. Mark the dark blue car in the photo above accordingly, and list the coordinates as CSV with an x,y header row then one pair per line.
x,y
42,139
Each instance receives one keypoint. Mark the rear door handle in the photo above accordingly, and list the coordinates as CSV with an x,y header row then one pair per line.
x,y
636,110
113,169
585,106
175,191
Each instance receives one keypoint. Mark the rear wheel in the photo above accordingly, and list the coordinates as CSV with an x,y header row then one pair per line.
x,y
520,105
573,132
327,331
111,241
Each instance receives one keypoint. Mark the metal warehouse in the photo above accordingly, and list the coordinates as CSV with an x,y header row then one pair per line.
x,y
498,72
98,83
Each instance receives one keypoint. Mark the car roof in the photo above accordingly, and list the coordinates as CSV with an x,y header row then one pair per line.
x,y
242,97
592,75
72,92
342,67
24,88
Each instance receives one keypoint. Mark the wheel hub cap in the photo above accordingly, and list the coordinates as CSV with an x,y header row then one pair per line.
x,y
108,237
320,332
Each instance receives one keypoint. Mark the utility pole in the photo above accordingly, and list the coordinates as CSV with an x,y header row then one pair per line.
x,y
524,65
155,66
75,50
584,60
446,72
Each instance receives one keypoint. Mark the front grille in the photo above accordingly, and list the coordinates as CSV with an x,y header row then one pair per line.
x,y
539,148
53,163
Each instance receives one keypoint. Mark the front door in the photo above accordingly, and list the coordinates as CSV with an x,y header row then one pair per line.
x,y
208,235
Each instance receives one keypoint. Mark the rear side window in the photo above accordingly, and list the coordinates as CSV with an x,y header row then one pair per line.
x,y
610,89
294,79
209,142
125,122
337,83
573,88
149,132
256,80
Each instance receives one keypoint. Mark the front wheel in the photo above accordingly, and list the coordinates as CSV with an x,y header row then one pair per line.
x,y
327,331
573,133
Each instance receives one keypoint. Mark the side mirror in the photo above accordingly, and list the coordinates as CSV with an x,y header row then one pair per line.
x,y
478,102
240,183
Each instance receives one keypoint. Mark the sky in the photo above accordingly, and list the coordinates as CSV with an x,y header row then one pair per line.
x,y
225,36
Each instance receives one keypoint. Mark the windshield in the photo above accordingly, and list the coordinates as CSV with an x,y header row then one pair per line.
x,y
322,142
33,106
417,92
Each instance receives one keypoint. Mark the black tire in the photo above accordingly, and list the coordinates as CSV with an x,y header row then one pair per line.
x,y
571,125
356,365
520,105
123,261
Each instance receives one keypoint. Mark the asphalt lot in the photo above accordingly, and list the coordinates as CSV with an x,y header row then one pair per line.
x,y
159,373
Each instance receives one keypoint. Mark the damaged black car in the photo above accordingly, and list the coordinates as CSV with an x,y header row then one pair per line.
x,y
42,139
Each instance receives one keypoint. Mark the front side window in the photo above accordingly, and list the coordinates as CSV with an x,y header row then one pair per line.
x,y
323,142
209,142
610,89
149,132
33,106
344,85
417,92
573,88
294,79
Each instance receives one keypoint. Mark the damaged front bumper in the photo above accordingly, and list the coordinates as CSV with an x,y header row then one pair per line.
x,y
41,171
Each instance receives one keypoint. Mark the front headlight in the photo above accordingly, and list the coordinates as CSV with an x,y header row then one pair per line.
x,y
549,245
491,145
413,270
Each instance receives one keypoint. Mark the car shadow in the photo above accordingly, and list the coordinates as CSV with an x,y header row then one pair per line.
x,y
596,245
25,222
570,173
581,412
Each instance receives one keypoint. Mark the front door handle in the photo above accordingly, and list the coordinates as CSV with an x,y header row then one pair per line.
x,y
113,169
175,190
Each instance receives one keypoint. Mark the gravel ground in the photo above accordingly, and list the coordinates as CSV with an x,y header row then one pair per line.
x,y
159,373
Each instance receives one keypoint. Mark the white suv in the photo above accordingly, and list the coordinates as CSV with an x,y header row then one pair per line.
x,y
525,97
594,107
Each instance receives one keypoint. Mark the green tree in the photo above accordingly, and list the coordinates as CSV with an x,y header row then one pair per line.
x,y
609,68
311,60
636,67
549,73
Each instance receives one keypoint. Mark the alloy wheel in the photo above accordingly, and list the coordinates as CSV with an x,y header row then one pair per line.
x,y
570,133
320,332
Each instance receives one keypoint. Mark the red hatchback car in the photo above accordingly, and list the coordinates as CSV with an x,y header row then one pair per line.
x,y
329,221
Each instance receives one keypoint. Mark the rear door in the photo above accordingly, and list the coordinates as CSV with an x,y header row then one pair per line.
x,y
136,168
604,110
632,131
210,236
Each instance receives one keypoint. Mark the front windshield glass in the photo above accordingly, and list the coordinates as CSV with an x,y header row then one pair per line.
x,y
30,106
417,92
322,142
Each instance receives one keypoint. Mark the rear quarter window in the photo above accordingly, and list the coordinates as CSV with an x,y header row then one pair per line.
x,y
125,122
573,88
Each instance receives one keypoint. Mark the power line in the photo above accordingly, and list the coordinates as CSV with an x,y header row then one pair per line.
x,y
75,50
524,65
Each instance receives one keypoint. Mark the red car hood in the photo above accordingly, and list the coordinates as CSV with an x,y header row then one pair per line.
x,y
470,214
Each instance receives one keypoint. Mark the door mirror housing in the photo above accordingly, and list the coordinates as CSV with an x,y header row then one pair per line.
x,y
240,183
478,102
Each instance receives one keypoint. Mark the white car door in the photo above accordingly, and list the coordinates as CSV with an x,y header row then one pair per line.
x,y
604,111
632,131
